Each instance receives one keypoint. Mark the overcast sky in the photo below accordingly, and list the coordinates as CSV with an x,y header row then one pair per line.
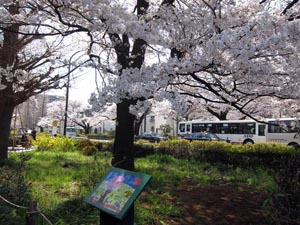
x,y
81,87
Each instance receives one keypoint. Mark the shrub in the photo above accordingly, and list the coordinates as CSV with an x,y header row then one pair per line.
x,y
210,151
107,146
81,144
45,143
177,147
95,136
109,134
89,150
12,183
99,146
142,149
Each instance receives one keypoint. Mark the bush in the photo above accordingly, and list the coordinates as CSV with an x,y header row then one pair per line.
x,y
108,135
12,183
99,146
89,150
142,149
178,148
81,144
94,136
107,146
45,143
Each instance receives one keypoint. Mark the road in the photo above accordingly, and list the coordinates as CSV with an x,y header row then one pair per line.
x,y
21,149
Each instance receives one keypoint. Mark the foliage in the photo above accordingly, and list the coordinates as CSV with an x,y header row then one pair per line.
x,y
283,160
47,143
107,146
142,148
166,129
89,150
12,184
93,136
11,216
82,143
99,146
14,188
61,180
264,154
109,134
287,203
176,147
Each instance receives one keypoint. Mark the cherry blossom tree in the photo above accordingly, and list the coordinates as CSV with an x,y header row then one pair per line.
x,y
78,115
217,46
87,118
191,47
30,63
237,51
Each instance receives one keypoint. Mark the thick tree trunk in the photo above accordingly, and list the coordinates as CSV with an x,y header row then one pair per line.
x,y
6,113
123,156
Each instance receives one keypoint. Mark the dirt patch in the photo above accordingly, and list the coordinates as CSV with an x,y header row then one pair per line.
x,y
222,204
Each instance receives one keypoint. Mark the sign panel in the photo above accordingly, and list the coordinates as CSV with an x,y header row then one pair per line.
x,y
117,191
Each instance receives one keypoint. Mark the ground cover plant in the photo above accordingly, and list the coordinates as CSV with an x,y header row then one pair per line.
x,y
60,180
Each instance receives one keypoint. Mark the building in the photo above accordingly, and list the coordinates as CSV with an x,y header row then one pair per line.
x,y
153,124
27,114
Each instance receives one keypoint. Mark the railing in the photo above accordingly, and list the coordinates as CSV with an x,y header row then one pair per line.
x,y
32,211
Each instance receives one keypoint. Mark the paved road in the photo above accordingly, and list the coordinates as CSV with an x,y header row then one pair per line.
x,y
21,149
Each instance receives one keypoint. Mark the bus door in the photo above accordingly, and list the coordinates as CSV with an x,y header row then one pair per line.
x,y
261,133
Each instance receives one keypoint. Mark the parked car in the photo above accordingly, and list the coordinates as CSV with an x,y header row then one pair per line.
x,y
202,136
152,137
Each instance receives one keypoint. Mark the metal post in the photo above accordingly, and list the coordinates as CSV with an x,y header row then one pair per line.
x,y
67,94
67,103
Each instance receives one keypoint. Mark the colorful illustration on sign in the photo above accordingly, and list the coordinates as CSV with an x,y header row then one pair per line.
x,y
115,190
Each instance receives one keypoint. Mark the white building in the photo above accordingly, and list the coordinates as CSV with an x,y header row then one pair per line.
x,y
152,123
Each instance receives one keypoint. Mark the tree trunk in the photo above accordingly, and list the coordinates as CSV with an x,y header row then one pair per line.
x,y
6,113
138,122
123,155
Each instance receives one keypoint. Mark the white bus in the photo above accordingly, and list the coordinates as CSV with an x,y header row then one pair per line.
x,y
284,130
70,132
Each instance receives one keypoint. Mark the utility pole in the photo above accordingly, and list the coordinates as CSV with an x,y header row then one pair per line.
x,y
67,103
67,94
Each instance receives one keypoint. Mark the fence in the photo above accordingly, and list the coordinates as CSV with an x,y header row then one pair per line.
x,y
32,212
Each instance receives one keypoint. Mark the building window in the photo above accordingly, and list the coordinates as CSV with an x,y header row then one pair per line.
x,y
152,129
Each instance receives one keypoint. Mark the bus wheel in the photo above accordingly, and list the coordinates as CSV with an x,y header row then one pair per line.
x,y
248,142
295,145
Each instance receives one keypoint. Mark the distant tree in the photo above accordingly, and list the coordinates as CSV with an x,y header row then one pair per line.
x,y
166,129
77,115
87,119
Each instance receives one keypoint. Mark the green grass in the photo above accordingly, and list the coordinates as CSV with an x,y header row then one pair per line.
x,y
61,180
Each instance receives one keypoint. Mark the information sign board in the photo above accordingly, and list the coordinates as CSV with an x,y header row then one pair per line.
x,y
117,191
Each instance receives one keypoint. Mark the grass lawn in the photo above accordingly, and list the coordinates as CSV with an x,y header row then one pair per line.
x,y
60,182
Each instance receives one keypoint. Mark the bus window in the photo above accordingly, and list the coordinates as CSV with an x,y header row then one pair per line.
x,y
261,130
198,127
188,128
225,129
182,127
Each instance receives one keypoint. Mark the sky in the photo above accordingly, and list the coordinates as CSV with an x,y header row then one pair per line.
x,y
81,87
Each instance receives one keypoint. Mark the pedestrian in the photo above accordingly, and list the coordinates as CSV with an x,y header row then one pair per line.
x,y
33,134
